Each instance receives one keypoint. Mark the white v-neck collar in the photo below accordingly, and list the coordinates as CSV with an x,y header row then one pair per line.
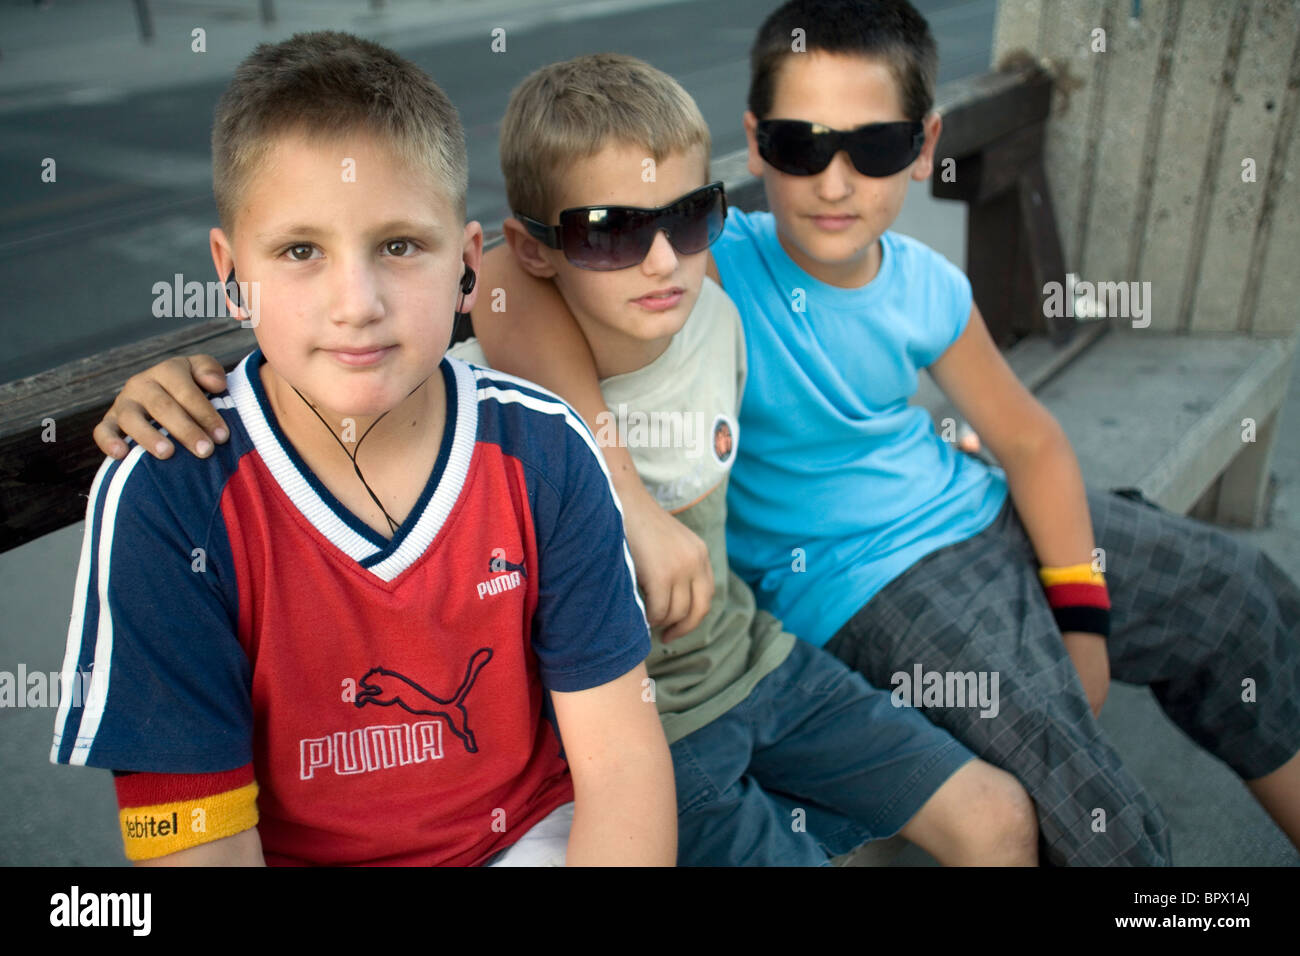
x,y
385,559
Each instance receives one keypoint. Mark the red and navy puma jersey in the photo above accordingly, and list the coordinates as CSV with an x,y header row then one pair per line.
x,y
392,695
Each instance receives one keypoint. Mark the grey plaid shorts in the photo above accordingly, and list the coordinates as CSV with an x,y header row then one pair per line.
x,y
1195,614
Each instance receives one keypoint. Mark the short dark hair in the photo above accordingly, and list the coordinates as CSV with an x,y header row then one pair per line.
x,y
890,30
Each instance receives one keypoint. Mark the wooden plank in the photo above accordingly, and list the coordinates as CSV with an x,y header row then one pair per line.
x,y
81,383
43,483
1005,161
982,109
1040,259
993,237
1012,246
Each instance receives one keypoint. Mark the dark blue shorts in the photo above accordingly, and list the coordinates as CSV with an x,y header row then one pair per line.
x,y
813,763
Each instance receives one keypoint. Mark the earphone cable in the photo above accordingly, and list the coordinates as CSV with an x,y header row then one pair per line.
x,y
352,456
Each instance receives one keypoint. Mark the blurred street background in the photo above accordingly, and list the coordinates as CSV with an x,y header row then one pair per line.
x,y
127,122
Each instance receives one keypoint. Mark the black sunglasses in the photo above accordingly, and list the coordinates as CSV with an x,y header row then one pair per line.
x,y
805,149
605,238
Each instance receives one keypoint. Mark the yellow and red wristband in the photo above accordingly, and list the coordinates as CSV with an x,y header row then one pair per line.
x,y
1078,598
163,813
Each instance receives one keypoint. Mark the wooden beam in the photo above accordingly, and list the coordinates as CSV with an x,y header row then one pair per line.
x,y
982,109
990,155
43,482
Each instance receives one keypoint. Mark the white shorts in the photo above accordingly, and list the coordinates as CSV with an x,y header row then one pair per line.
x,y
544,844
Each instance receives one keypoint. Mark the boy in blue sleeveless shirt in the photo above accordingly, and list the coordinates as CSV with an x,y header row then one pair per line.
x,y
920,560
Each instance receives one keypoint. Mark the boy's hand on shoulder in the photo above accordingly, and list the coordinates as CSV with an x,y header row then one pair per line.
x,y
171,394
672,567
1091,660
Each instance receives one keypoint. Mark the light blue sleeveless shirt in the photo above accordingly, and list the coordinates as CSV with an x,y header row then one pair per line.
x,y
840,485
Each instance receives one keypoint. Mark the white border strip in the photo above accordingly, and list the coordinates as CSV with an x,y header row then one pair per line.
x,y
97,693
77,622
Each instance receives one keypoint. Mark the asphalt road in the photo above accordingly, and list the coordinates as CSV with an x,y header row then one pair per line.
x,y
134,200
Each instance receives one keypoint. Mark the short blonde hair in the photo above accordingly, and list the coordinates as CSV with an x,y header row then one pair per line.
x,y
569,111
328,84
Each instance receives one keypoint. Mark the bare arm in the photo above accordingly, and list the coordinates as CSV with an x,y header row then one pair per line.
x,y
1042,470
242,849
625,803
537,338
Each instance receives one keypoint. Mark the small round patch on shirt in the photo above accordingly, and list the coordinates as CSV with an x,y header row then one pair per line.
x,y
724,440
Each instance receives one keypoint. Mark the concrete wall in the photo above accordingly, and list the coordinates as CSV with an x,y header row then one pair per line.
x,y
1146,147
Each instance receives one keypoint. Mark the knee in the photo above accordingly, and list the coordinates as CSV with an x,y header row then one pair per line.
x,y
1006,824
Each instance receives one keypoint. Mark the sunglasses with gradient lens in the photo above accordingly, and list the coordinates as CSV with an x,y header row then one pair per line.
x,y
605,238
805,149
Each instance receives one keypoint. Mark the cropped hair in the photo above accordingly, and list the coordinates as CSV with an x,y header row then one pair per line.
x,y
569,111
326,84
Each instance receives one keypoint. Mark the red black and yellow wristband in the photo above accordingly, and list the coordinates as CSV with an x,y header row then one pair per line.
x,y
1078,598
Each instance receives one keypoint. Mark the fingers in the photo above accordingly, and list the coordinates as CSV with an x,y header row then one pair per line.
x,y
167,394
157,402
179,382
701,589
679,608
656,601
697,583
207,371
109,438
134,423
673,569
